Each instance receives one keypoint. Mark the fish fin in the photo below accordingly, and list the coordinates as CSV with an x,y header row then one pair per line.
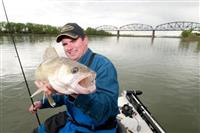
x,y
50,53
37,92
51,101
43,98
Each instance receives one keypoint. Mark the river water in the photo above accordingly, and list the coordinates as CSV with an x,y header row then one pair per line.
x,y
166,70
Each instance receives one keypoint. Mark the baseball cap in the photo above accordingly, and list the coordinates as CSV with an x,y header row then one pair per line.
x,y
71,30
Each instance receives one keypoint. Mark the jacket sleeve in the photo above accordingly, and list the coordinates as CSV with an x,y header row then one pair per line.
x,y
103,103
58,99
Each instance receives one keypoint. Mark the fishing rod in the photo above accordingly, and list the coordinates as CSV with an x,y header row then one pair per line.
x,y
13,40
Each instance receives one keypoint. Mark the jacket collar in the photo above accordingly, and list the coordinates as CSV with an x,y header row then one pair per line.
x,y
85,58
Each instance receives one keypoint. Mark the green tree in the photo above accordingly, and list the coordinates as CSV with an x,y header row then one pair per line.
x,y
2,27
92,31
19,28
186,33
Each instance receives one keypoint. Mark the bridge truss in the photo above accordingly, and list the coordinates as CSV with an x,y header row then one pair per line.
x,y
107,28
136,27
178,26
171,26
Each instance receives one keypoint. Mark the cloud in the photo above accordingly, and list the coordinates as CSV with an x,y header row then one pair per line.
x,y
95,13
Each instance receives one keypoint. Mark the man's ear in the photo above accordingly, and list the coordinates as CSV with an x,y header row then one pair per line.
x,y
85,40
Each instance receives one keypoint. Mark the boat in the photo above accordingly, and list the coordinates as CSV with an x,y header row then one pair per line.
x,y
134,117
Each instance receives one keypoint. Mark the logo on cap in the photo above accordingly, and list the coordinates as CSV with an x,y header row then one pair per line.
x,y
67,28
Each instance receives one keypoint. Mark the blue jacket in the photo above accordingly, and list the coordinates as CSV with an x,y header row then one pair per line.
x,y
92,109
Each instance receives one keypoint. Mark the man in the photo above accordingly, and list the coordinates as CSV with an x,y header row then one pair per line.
x,y
91,113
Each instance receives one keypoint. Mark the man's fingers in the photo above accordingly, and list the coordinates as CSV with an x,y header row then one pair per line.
x,y
34,109
38,83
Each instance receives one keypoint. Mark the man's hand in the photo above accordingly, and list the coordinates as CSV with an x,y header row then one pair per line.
x,y
37,105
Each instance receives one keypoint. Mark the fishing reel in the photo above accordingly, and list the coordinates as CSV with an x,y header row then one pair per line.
x,y
127,110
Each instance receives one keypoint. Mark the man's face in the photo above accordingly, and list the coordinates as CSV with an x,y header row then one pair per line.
x,y
74,49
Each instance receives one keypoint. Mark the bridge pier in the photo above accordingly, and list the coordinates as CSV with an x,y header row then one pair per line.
x,y
153,33
118,33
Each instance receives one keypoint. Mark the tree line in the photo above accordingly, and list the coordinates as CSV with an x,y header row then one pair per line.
x,y
32,28
189,35
27,28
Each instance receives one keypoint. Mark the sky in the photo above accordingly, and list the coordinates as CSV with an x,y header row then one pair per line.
x,y
94,13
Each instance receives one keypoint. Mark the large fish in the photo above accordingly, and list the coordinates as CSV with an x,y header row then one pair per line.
x,y
64,75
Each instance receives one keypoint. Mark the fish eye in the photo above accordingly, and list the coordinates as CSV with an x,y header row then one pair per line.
x,y
74,70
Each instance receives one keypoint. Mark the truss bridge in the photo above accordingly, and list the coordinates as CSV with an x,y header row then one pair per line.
x,y
171,26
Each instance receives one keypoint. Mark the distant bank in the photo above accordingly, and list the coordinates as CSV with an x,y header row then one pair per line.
x,y
189,35
32,28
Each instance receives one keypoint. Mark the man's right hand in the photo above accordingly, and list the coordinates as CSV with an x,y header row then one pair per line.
x,y
37,105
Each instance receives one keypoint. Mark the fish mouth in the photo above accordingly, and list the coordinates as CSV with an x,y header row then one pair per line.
x,y
86,84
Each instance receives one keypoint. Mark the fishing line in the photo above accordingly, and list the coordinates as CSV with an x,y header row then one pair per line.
x,y
13,40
